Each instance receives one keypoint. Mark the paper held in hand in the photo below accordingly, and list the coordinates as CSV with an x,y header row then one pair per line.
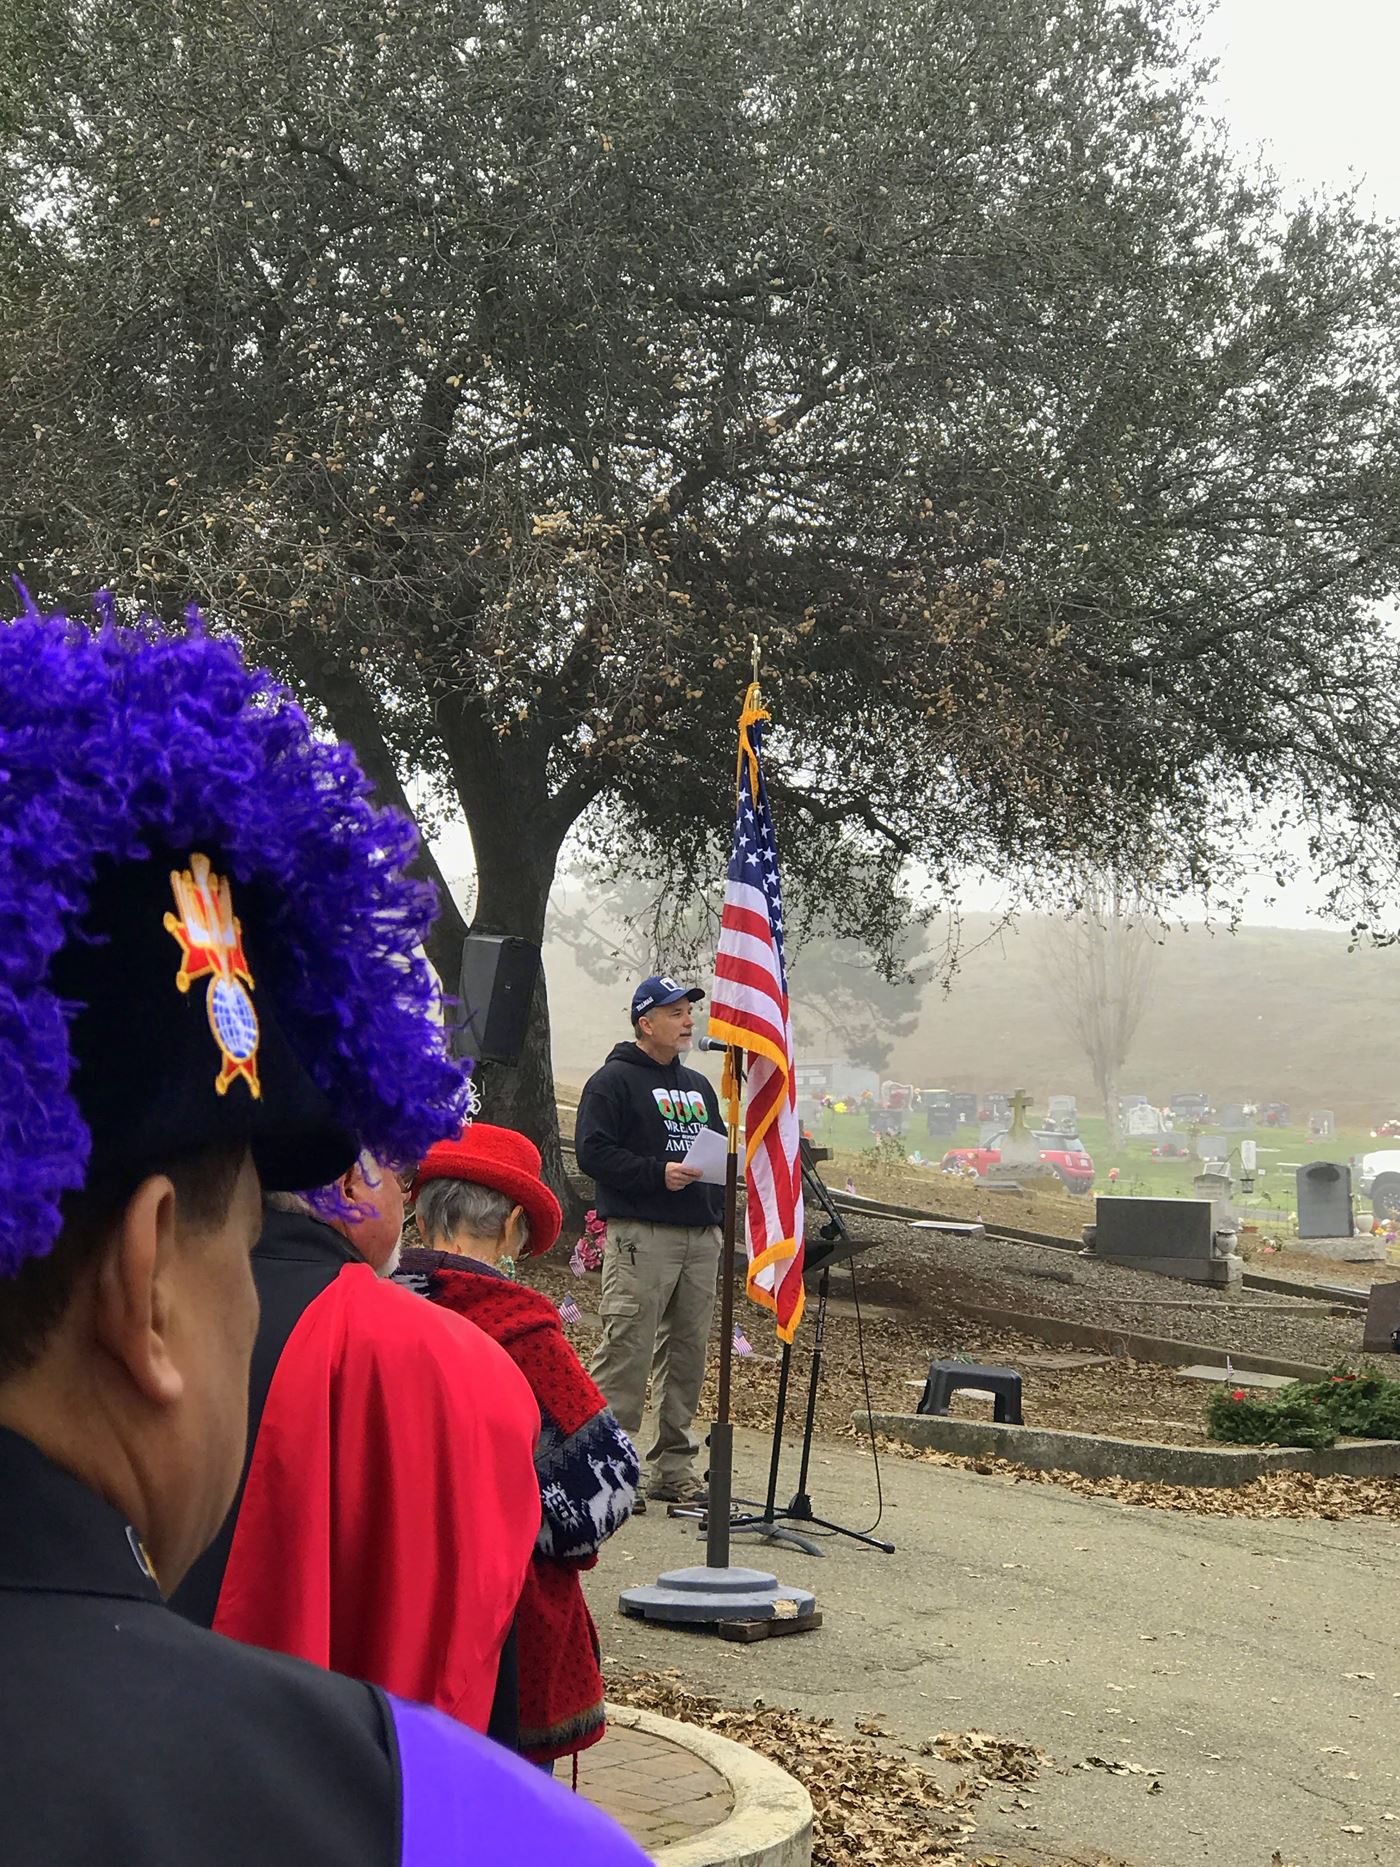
x,y
709,1151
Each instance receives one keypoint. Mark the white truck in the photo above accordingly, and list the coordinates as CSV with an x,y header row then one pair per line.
x,y
1379,1181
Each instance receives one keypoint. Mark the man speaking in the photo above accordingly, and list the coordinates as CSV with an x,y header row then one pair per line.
x,y
637,1118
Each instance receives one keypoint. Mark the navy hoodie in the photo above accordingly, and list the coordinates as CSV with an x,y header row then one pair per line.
x,y
635,1115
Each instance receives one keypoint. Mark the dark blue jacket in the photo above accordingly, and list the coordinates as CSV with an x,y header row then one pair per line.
x,y
634,1116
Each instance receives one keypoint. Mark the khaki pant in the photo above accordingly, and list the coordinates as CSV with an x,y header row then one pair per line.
x,y
658,1303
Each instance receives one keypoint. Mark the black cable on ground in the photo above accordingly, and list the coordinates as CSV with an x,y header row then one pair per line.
x,y
869,1410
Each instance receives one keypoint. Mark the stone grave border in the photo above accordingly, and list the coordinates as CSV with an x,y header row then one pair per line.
x,y
1050,1450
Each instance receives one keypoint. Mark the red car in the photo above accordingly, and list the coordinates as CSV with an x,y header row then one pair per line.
x,y
1071,1165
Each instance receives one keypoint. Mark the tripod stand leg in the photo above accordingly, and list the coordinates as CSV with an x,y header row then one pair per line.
x,y
775,1459
801,1505
856,1536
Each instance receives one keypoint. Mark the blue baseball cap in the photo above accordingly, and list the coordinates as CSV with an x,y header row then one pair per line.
x,y
660,989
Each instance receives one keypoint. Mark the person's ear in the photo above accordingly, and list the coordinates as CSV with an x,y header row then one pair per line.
x,y
135,1292
516,1236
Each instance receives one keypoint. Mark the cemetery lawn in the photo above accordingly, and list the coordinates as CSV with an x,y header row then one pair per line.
x,y
1280,1152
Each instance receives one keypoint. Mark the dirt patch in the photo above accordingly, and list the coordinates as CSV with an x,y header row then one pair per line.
x,y
910,1287
1042,1206
928,1275
883,1363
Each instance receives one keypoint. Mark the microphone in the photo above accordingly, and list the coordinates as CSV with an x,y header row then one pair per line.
x,y
710,1043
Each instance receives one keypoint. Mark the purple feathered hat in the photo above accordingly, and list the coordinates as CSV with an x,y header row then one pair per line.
x,y
120,745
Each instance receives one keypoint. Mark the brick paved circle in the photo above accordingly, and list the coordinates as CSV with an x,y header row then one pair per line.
x,y
658,1790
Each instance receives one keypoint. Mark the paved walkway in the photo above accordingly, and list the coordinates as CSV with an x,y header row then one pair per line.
x,y
659,1791
1250,1668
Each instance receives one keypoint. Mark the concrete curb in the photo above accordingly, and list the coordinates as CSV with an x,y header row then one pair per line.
x,y
1165,1350
1093,1457
771,1822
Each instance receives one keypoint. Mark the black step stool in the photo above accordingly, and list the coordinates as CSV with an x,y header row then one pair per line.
x,y
946,1377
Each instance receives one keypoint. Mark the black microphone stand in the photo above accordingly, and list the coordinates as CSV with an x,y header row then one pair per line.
x,y
769,1525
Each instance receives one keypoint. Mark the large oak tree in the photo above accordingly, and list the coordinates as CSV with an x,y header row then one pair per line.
x,y
498,371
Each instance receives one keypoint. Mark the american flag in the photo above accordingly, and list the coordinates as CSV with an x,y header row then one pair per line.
x,y
749,1009
569,1311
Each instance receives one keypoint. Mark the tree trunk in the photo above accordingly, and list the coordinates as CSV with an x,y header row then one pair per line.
x,y
515,864
516,846
341,692
1108,1089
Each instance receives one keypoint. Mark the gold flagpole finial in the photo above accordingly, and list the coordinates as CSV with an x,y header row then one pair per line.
x,y
757,657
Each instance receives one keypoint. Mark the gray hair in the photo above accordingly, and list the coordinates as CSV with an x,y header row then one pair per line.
x,y
447,1208
286,1202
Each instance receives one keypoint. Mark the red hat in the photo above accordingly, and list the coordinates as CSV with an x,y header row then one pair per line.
x,y
506,1161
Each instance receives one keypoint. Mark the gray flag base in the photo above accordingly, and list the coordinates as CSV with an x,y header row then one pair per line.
x,y
703,1596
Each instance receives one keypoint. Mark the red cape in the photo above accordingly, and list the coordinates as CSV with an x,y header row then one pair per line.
x,y
391,1505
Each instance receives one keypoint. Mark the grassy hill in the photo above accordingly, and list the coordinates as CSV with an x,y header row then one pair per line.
x,y
1262,1014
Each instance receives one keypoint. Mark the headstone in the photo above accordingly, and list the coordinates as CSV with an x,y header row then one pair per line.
x,y
1382,1319
1237,1377
941,1123
1324,1200
1062,1109
1232,1118
1212,1147
1174,1237
1020,1150
1144,1120
1214,1183
1322,1125
1249,1164
1190,1106
965,1107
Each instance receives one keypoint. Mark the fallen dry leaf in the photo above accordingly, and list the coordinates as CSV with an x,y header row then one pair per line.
x,y
999,1759
874,1807
1299,1495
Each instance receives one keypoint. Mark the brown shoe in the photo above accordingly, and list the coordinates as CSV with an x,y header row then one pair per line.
x,y
690,1492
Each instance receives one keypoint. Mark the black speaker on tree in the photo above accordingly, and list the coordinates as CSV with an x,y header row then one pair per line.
x,y
496,987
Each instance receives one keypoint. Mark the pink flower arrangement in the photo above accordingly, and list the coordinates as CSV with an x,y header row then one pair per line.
x,y
587,1254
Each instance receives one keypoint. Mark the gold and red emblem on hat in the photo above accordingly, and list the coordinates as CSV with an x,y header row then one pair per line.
x,y
211,945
